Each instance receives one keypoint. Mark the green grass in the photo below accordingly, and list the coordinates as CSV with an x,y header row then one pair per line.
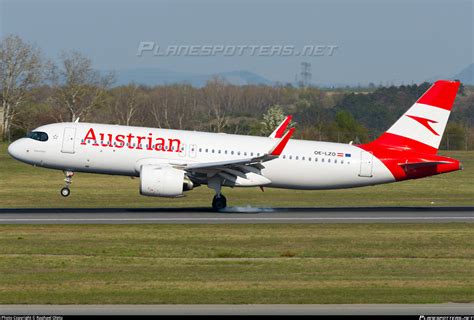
x,y
22,185
236,264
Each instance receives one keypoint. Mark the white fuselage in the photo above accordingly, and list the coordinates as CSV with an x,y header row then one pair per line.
x,y
302,164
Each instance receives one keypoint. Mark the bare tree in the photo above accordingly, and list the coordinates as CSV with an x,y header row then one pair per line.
x,y
20,70
126,104
78,87
160,105
213,93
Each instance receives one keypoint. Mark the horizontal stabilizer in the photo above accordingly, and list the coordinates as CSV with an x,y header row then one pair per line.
x,y
414,165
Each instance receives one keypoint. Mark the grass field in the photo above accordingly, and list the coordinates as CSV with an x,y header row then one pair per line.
x,y
22,185
237,264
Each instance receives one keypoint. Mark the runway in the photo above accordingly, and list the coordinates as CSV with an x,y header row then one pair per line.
x,y
444,309
237,215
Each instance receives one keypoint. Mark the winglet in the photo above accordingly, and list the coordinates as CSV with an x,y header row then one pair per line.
x,y
278,149
278,133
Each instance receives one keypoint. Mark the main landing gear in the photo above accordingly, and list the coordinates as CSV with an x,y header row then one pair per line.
x,y
219,202
68,180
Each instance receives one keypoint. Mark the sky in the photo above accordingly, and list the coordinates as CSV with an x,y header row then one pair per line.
x,y
376,41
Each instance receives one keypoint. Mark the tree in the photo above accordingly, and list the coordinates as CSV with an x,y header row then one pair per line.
x,y
126,102
20,71
214,99
272,119
346,128
78,87
454,137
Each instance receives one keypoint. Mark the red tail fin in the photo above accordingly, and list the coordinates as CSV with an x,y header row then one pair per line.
x,y
408,149
421,128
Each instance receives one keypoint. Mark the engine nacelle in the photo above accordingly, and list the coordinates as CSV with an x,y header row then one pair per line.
x,y
162,181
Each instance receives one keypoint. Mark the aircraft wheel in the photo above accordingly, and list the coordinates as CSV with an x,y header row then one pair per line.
x,y
65,192
219,202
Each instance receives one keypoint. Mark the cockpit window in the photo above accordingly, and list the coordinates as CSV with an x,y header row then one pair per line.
x,y
37,135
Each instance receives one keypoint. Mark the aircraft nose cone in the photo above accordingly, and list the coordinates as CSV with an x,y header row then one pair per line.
x,y
14,150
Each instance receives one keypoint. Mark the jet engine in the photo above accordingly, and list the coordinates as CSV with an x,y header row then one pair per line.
x,y
163,181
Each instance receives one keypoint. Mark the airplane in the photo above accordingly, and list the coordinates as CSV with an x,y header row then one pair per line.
x,y
171,162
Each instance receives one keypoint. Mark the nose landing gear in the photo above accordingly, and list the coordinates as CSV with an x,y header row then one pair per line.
x,y
68,180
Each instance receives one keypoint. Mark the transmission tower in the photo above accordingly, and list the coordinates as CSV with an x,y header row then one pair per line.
x,y
305,74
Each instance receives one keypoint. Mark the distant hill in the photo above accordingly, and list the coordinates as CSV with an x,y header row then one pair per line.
x,y
466,76
153,76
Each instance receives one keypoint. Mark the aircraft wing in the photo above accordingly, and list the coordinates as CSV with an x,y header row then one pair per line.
x,y
273,153
238,172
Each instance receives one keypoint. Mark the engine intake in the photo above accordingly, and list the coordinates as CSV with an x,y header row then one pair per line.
x,y
162,181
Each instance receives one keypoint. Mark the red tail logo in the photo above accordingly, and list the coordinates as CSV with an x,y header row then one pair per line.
x,y
425,122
